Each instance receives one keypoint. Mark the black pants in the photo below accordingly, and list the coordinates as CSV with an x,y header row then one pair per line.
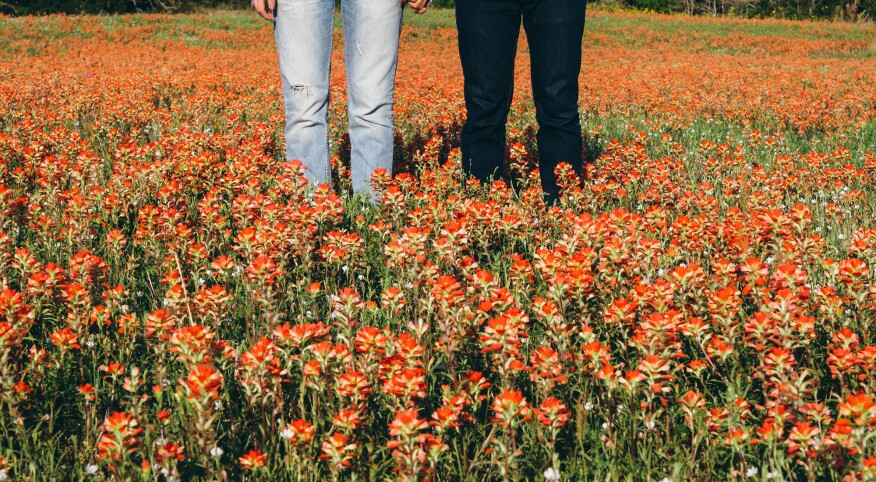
x,y
488,31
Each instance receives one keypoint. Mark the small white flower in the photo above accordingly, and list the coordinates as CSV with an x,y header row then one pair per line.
x,y
620,408
217,405
772,475
160,441
3,475
345,268
201,281
751,472
665,479
588,406
360,277
551,475
649,424
287,433
841,236
605,425
660,272
89,344
91,469
216,452
769,260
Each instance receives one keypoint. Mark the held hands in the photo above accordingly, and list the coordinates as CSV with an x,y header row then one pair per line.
x,y
265,8
418,6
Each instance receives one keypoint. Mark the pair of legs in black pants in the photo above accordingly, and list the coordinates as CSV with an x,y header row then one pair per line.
x,y
488,31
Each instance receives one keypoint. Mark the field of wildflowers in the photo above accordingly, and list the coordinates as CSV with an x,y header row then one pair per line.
x,y
176,305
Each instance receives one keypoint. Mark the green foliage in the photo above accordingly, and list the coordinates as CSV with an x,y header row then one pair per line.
x,y
662,6
38,7
790,9
793,9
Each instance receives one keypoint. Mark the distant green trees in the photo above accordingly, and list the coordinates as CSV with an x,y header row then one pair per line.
x,y
37,7
801,9
796,9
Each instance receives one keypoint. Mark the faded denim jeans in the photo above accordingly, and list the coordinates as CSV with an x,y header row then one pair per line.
x,y
303,31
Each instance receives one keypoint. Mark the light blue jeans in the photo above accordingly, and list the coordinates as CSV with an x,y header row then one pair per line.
x,y
303,31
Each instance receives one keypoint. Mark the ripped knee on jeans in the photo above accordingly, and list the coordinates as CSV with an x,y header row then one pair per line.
x,y
300,89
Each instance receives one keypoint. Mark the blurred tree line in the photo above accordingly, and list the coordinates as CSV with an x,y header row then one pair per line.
x,y
36,7
800,9
794,9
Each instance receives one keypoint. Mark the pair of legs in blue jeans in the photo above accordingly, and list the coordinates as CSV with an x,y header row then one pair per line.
x,y
303,31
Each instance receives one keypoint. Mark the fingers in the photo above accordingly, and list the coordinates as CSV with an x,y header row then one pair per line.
x,y
260,8
418,6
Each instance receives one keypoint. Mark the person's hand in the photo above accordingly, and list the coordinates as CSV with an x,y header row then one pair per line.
x,y
418,6
265,8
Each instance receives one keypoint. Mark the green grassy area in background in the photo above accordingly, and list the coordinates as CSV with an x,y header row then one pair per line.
x,y
630,30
